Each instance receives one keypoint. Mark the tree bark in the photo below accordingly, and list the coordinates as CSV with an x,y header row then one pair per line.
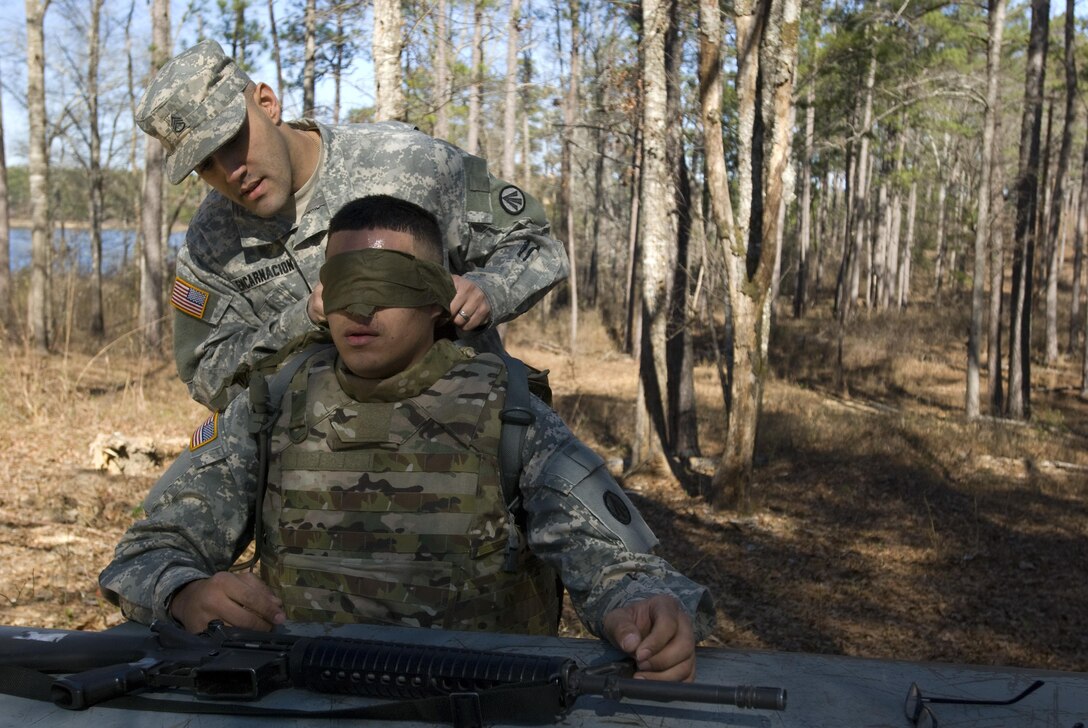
x,y
985,190
766,44
151,258
1081,228
95,198
442,93
680,405
476,88
570,115
1019,400
804,238
510,96
38,169
657,229
309,58
390,103
906,254
274,38
1057,195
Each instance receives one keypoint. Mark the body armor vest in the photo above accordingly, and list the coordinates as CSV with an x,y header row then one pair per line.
x,y
393,511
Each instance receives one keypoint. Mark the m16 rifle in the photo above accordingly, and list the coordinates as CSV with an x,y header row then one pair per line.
x,y
461,686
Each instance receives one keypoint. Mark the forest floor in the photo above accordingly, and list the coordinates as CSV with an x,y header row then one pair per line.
x,y
884,523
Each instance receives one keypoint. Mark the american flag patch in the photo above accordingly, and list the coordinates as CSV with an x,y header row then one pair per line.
x,y
205,433
188,298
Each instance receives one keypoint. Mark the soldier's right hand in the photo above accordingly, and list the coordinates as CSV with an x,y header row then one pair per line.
x,y
238,599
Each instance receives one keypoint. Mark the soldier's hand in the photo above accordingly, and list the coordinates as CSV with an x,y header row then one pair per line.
x,y
240,600
469,306
658,633
315,307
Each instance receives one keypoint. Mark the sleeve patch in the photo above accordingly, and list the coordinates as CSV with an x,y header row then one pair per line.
x,y
206,433
512,200
189,299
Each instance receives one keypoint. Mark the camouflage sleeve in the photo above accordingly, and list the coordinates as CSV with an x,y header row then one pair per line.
x,y
512,258
196,519
599,569
227,335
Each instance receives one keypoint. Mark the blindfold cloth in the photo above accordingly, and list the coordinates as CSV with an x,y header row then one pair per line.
x,y
362,280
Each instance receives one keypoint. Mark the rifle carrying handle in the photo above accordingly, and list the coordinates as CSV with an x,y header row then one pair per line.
x,y
82,690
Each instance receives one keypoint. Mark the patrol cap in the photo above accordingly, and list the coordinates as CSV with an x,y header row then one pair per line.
x,y
194,105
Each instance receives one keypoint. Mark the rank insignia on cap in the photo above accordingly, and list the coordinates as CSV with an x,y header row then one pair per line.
x,y
512,199
177,123
205,433
189,299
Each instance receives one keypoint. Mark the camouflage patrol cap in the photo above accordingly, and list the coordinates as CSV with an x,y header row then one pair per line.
x,y
194,105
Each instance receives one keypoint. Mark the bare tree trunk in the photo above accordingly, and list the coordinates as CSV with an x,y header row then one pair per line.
x,y
526,75
388,46
907,251
570,115
5,237
657,229
1019,401
151,260
442,93
95,198
630,296
804,240
338,62
476,88
40,238
309,58
510,97
1057,195
880,244
942,206
985,191
996,395
1078,254
895,226
767,56
856,230
680,406
274,37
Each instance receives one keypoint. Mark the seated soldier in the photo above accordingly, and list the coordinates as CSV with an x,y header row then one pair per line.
x,y
384,499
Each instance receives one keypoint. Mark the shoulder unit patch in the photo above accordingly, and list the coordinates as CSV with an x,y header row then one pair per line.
x,y
512,200
205,433
189,299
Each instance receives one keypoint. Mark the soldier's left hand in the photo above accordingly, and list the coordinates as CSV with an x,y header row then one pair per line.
x,y
469,306
658,633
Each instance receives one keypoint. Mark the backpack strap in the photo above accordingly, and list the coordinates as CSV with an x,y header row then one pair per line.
x,y
516,417
265,396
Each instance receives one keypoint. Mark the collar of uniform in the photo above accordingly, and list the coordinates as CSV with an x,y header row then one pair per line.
x,y
411,382
254,231
316,218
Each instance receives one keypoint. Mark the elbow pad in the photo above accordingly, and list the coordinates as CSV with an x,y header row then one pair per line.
x,y
578,472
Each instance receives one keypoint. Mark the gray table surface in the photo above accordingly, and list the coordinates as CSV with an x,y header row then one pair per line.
x,y
823,690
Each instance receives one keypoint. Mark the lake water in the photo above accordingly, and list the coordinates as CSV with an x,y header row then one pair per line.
x,y
118,246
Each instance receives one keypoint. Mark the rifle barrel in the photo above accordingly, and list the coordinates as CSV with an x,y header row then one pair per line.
x,y
742,696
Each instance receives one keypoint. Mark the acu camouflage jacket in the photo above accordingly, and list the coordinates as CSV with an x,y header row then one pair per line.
x,y
199,516
243,282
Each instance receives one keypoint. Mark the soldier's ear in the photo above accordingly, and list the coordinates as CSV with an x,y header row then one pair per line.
x,y
266,99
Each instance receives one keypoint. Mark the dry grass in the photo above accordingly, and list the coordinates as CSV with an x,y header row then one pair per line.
x,y
886,524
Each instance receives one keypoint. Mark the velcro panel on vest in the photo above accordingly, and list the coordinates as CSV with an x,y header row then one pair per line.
x,y
406,525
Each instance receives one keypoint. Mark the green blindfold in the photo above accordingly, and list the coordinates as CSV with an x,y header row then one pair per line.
x,y
362,280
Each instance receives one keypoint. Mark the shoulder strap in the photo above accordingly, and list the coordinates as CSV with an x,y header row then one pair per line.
x,y
265,396
516,418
